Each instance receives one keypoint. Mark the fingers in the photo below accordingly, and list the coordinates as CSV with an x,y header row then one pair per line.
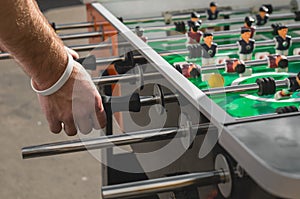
x,y
100,112
69,127
96,123
96,118
78,106
99,119
54,125
85,125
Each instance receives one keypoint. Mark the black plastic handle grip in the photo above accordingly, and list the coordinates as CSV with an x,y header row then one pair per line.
x,y
88,63
125,103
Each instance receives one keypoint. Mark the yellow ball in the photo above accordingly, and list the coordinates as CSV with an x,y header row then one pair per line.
x,y
215,81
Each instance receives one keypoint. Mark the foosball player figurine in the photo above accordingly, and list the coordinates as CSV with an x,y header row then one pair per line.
x,y
246,45
248,23
262,17
140,33
194,35
282,41
189,70
237,66
279,62
212,12
195,17
294,85
232,66
275,27
179,27
208,49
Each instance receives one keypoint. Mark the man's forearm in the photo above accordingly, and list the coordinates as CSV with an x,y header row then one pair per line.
x,y
26,34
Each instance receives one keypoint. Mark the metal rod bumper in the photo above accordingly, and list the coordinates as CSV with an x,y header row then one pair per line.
x,y
160,185
108,141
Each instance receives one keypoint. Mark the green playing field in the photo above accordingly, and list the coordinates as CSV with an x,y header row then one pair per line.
x,y
244,104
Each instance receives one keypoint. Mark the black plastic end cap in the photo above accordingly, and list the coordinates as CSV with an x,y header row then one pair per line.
x,y
240,68
135,103
283,63
195,73
297,16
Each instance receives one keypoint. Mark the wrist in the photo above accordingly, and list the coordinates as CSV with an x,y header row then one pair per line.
x,y
52,67
60,82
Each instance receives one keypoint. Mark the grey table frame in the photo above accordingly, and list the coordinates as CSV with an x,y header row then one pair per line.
x,y
280,181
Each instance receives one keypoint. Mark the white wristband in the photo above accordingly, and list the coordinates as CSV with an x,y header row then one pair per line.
x,y
62,80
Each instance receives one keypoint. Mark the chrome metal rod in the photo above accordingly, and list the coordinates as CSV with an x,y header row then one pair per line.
x,y
148,101
184,15
175,38
80,35
183,51
74,25
249,64
227,47
221,47
108,61
222,22
258,30
87,47
178,15
108,141
240,88
160,185
5,56
123,78
78,25
128,77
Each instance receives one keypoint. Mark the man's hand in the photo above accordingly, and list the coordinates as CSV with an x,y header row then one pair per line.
x,y
27,35
72,52
77,105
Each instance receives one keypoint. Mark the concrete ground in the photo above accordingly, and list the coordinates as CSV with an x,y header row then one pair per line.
x,y
75,176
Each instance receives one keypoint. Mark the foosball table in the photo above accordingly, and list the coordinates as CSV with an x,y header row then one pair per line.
x,y
179,128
